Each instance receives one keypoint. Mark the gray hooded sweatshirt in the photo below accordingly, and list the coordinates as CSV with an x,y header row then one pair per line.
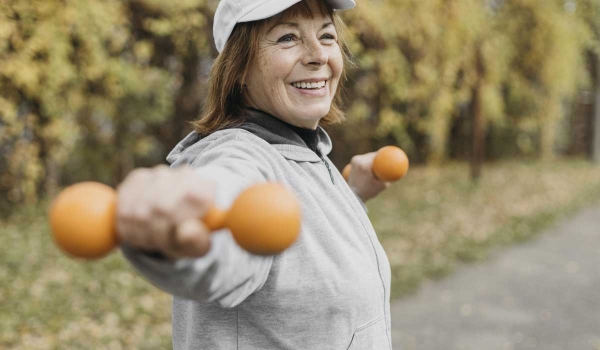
x,y
329,290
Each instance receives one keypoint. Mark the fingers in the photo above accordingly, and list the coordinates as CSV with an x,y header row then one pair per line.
x,y
190,238
362,166
362,180
154,203
364,161
131,218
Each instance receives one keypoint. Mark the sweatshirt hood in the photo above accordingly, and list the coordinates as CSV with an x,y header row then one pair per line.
x,y
272,130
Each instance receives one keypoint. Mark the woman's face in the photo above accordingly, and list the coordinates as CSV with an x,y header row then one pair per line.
x,y
297,70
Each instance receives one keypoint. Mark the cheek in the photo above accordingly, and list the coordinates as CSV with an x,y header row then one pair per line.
x,y
265,79
270,82
278,68
272,89
337,63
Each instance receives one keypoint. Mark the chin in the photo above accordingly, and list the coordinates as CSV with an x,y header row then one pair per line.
x,y
314,112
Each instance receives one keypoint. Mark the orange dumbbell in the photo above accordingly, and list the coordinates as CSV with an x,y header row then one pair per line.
x,y
264,219
390,164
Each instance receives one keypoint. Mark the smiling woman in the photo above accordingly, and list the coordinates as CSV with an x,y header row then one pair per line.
x,y
274,84
260,58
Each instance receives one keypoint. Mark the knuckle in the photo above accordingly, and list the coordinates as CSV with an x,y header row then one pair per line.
x,y
124,214
161,170
161,167
139,173
198,196
141,214
200,192
182,169
360,161
163,208
133,179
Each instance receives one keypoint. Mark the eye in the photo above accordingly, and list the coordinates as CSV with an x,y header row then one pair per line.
x,y
328,37
288,38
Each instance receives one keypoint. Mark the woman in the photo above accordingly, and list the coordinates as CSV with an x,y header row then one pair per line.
x,y
276,79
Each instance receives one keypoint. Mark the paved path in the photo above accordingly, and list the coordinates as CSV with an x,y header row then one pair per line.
x,y
544,294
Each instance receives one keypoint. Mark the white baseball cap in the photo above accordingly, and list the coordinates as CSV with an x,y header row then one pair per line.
x,y
231,12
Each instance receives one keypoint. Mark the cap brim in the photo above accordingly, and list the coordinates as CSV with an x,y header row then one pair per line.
x,y
272,7
268,9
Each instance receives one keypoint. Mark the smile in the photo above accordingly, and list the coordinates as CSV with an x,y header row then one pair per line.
x,y
310,85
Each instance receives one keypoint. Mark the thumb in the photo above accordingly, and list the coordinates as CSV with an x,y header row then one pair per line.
x,y
191,239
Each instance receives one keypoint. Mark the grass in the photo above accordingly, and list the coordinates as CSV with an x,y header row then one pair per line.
x,y
429,222
48,301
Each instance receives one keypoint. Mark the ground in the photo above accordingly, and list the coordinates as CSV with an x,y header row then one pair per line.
x,y
543,294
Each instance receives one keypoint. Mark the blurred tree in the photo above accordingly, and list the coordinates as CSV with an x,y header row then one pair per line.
x,y
419,63
547,42
91,89
427,66
589,12
87,86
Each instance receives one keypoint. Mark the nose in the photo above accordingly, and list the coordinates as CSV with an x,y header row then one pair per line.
x,y
315,54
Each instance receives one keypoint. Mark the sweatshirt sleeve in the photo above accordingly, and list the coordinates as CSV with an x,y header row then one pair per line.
x,y
227,274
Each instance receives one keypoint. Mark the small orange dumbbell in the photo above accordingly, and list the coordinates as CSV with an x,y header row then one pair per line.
x,y
390,164
264,219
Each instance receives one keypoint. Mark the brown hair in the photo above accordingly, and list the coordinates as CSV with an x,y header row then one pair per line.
x,y
224,106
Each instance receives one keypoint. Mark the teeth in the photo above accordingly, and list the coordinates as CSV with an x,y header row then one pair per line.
x,y
309,85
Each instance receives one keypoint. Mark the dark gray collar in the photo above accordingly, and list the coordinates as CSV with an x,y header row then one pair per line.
x,y
277,132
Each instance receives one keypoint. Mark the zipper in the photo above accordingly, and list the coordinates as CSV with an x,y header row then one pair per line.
x,y
327,166
374,251
382,283
372,246
329,170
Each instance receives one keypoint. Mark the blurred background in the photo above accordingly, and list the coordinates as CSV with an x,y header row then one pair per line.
x,y
496,103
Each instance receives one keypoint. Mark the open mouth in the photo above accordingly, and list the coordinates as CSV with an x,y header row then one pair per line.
x,y
310,85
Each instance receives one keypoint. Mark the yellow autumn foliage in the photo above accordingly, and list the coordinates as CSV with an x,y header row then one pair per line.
x,y
90,89
82,82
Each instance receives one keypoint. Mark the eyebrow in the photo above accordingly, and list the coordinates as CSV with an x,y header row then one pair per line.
x,y
295,25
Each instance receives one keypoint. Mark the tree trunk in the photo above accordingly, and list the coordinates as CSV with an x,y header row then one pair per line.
x,y
478,136
124,158
188,100
596,116
52,178
478,152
